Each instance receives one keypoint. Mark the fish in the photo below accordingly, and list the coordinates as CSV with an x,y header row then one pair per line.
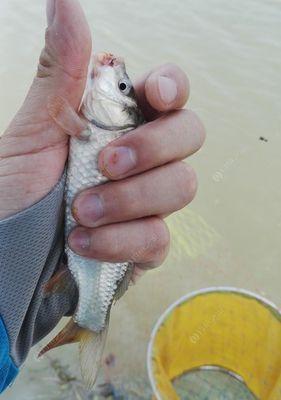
x,y
108,110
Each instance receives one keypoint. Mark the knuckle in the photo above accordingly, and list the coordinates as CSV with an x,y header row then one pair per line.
x,y
46,62
116,247
197,128
127,197
54,58
187,183
160,238
154,244
101,238
43,69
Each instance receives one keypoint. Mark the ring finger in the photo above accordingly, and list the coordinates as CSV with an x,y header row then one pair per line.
x,y
144,242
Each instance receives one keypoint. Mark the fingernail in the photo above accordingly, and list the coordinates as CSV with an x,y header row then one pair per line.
x,y
79,240
51,11
88,208
167,89
117,161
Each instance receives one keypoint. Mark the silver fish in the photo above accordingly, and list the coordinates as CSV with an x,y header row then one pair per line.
x,y
109,109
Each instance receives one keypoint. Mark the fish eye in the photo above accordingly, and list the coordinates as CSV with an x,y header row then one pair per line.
x,y
124,86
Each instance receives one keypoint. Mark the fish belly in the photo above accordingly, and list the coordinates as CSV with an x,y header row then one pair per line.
x,y
97,281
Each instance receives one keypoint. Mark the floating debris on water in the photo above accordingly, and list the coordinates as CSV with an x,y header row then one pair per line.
x,y
263,139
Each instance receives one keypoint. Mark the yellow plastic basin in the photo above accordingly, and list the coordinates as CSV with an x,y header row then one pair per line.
x,y
222,327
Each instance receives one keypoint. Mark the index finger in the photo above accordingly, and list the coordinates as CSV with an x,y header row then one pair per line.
x,y
163,89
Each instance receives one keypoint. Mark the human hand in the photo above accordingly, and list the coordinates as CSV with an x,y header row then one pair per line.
x,y
123,220
33,150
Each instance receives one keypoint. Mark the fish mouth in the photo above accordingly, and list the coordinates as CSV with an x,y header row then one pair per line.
x,y
106,59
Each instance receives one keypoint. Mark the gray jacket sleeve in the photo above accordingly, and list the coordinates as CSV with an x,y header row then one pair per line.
x,y
31,247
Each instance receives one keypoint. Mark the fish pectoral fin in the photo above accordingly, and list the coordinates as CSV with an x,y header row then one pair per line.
x,y
71,333
59,282
67,118
91,350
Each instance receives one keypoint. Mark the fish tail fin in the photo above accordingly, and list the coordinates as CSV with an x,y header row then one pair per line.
x,y
71,333
91,350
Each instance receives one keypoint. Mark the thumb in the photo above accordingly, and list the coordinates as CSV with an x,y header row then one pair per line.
x,y
62,71
33,149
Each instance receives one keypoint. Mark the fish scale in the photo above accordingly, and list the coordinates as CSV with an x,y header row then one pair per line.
x,y
96,297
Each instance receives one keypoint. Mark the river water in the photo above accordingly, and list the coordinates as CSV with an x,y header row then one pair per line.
x,y
230,235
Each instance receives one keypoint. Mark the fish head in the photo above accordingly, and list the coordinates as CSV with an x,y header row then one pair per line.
x,y
109,99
